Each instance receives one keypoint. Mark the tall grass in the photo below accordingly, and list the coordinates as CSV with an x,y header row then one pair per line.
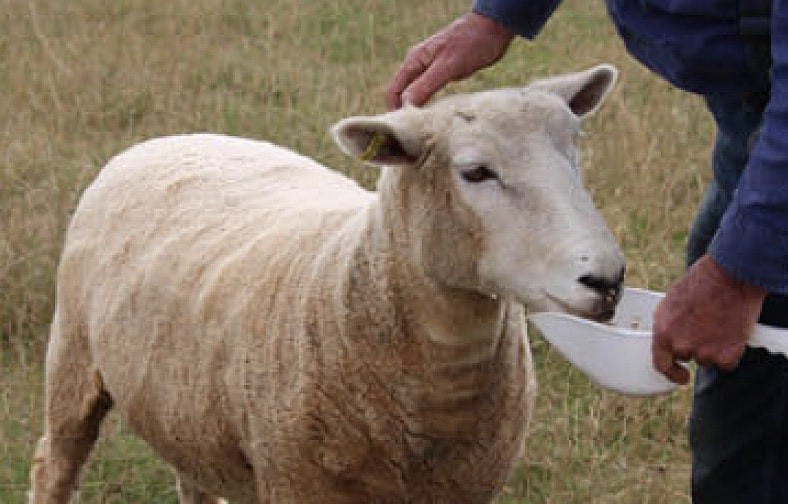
x,y
82,80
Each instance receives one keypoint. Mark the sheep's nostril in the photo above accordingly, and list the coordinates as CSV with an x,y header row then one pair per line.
x,y
609,289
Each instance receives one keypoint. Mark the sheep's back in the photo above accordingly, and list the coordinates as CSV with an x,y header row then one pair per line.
x,y
177,204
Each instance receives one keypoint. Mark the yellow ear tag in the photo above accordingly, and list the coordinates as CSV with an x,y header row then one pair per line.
x,y
372,147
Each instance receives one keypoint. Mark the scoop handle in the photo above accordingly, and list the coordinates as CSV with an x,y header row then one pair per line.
x,y
773,339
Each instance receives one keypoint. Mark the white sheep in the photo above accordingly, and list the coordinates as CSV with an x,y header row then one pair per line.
x,y
278,334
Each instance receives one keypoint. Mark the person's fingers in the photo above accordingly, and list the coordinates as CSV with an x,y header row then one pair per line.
x,y
678,374
437,75
393,101
681,350
665,362
662,358
416,62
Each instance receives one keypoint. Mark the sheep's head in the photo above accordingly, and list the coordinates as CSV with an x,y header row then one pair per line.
x,y
487,190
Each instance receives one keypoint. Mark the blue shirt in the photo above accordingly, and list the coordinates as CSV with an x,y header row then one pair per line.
x,y
702,46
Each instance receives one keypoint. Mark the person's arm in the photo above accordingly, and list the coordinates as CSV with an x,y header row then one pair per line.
x,y
709,314
473,41
752,243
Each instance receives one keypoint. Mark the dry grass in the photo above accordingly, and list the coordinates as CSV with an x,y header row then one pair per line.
x,y
83,79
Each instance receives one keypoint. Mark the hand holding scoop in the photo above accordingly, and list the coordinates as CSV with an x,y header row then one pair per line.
x,y
617,355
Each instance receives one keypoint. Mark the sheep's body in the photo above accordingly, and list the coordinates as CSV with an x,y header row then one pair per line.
x,y
226,293
279,334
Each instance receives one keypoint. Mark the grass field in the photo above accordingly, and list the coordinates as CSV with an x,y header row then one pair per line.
x,y
84,79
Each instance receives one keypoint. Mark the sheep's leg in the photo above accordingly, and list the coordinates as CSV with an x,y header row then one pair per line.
x,y
76,403
191,494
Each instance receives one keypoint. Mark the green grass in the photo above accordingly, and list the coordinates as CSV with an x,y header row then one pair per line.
x,y
82,80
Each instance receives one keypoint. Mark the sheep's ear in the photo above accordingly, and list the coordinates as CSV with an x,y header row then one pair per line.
x,y
582,91
393,138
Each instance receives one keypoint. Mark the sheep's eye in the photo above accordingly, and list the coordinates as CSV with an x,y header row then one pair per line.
x,y
478,174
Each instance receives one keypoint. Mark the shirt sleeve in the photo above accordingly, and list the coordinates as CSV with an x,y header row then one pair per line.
x,y
752,242
524,17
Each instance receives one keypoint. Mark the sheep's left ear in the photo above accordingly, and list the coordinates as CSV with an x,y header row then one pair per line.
x,y
393,138
582,91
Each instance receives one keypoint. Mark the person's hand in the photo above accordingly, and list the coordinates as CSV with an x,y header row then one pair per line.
x,y
470,43
707,316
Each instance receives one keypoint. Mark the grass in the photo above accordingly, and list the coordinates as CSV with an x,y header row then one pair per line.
x,y
82,80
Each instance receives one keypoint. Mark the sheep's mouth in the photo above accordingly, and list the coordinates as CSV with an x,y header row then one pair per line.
x,y
603,316
599,314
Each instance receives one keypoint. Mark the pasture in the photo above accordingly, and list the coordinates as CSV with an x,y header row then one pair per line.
x,y
82,80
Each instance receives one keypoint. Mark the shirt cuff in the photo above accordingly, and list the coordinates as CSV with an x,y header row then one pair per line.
x,y
523,18
751,251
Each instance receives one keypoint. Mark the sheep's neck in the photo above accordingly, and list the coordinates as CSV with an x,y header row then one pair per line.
x,y
442,316
449,345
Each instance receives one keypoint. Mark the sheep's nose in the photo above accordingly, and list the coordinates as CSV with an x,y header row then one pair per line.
x,y
607,288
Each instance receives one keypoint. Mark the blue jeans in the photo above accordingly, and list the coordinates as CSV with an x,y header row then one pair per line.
x,y
739,421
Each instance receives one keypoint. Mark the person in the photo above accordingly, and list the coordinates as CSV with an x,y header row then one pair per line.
x,y
735,54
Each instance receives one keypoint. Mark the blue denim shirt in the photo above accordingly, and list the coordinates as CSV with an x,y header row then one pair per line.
x,y
703,46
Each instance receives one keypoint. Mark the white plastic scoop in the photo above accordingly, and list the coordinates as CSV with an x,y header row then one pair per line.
x,y
617,355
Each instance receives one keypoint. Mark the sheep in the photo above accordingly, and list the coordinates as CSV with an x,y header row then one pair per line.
x,y
276,333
